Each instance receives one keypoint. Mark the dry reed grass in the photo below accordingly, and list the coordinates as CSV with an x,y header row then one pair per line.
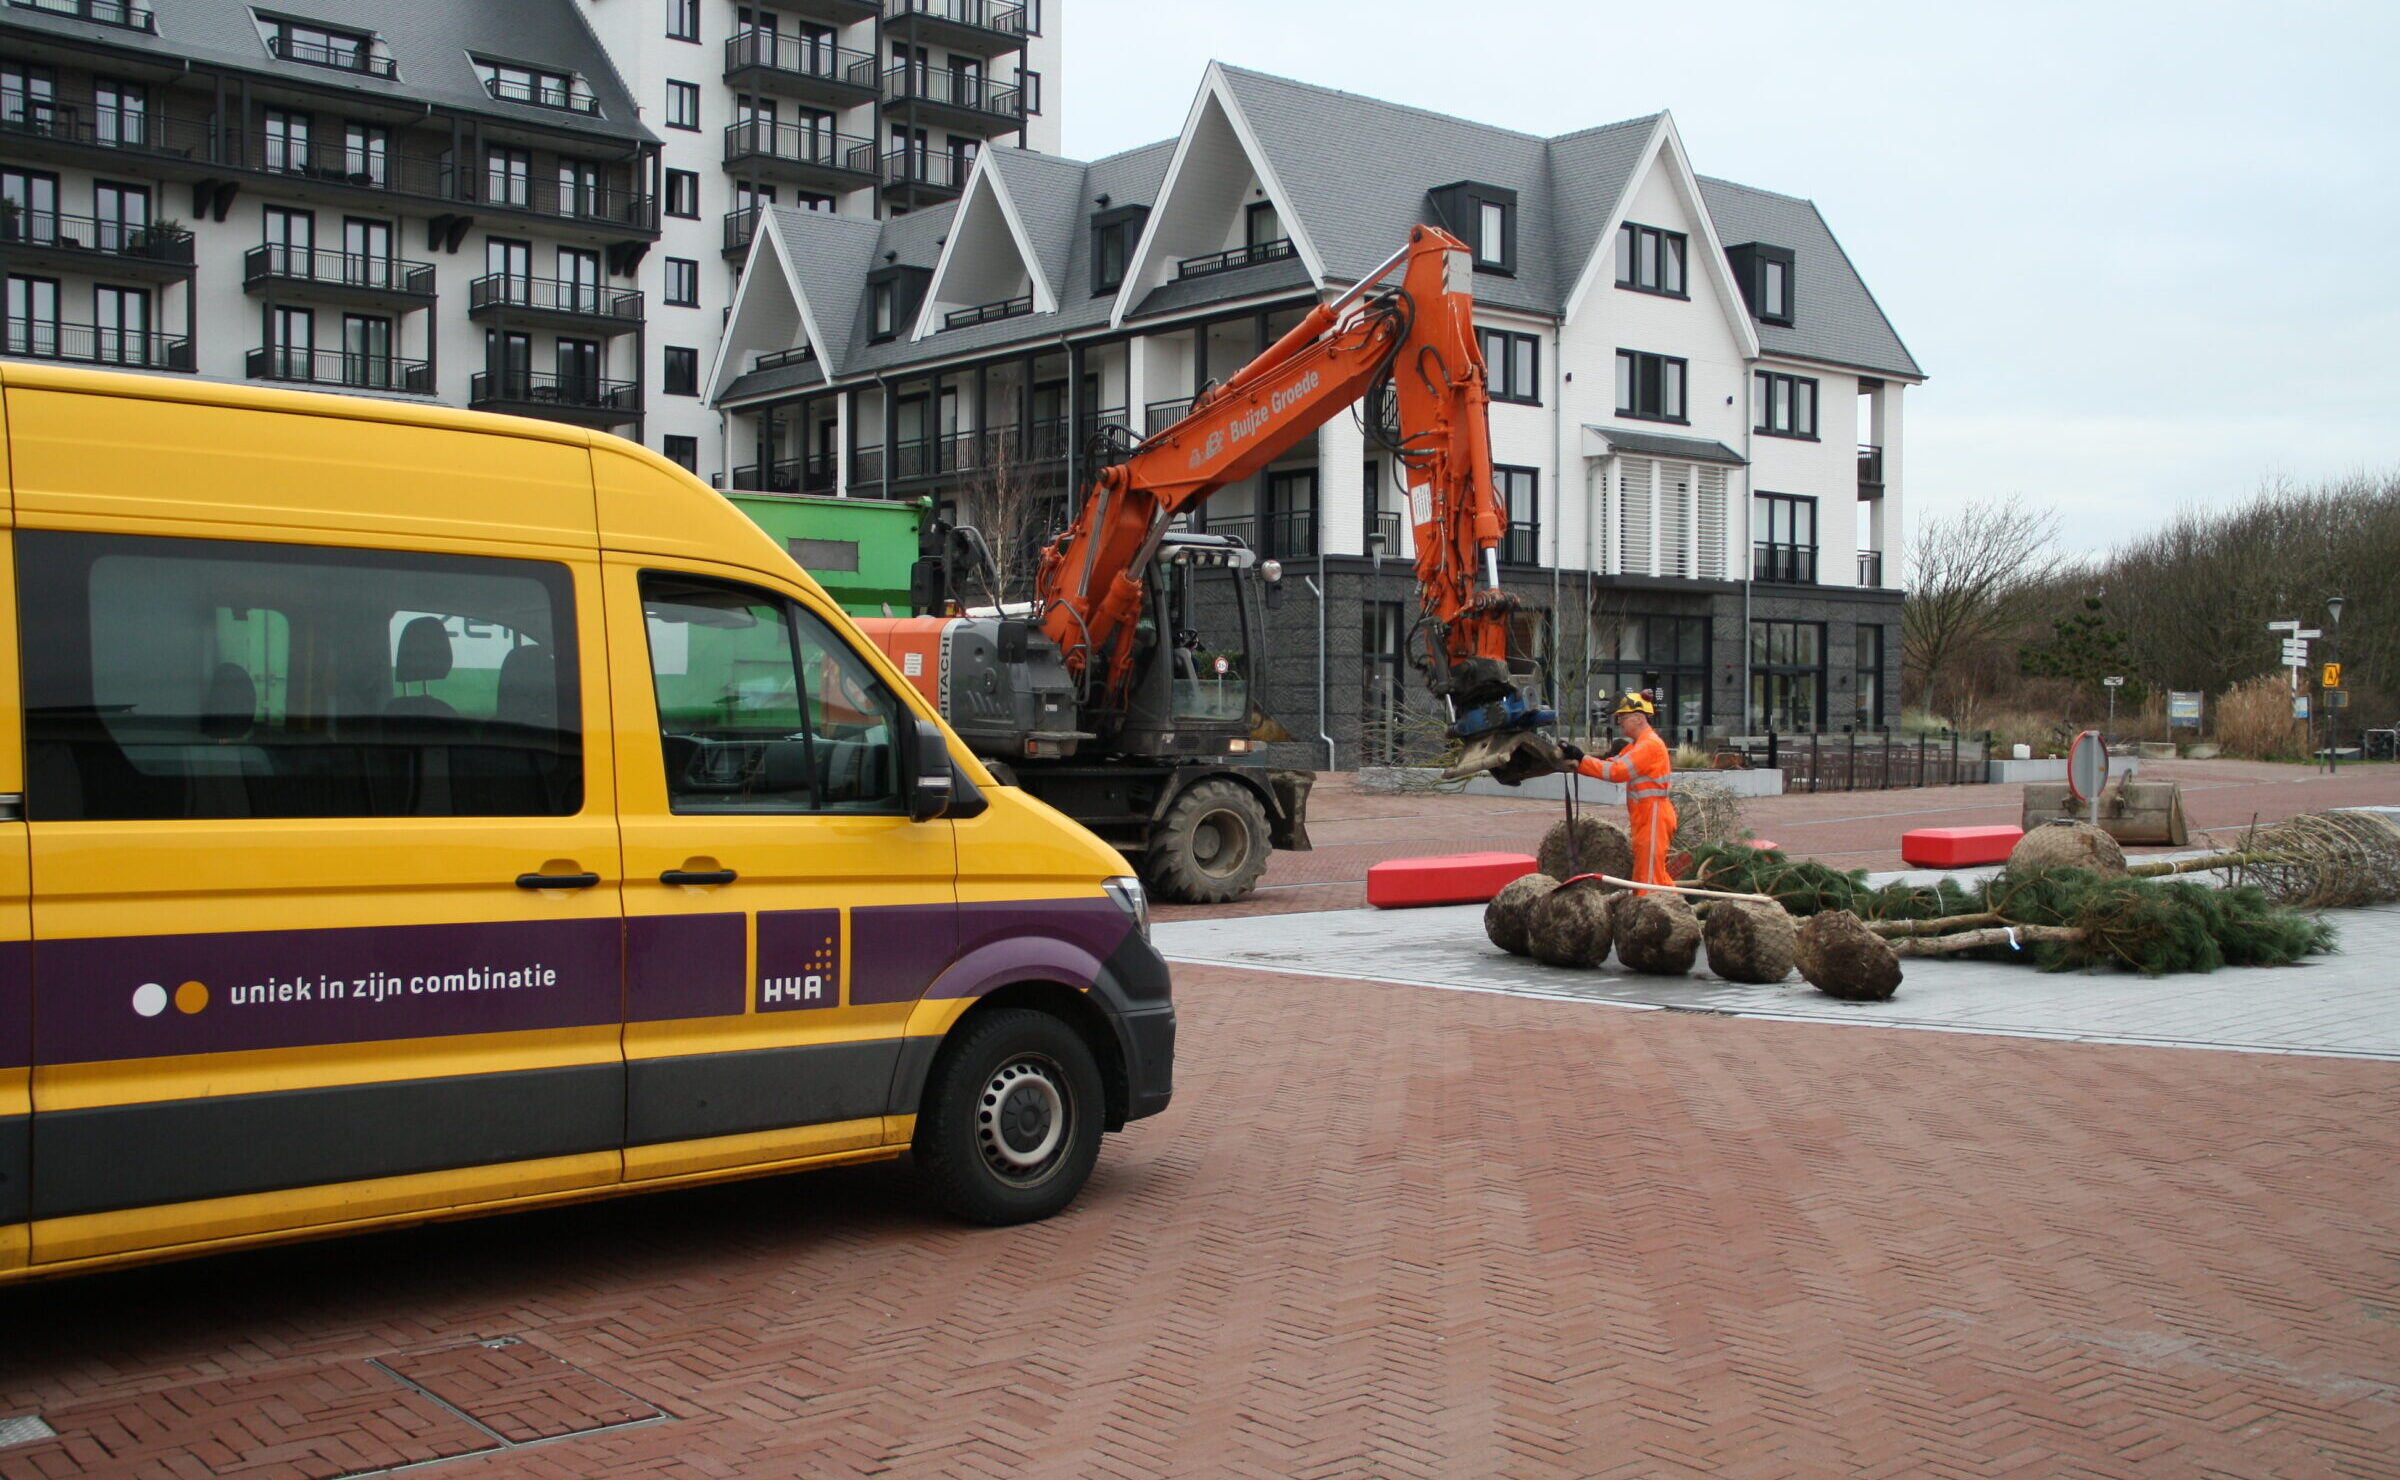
x,y
2254,721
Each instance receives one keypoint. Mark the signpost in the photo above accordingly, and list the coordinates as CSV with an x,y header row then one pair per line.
x,y
2183,710
2087,770
2112,685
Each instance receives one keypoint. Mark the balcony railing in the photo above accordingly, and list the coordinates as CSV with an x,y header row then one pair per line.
x,y
799,144
742,225
800,56
1521,543
120,13
984,313
971,91
1870,469
811,474
362,372
137,130
1283,535
1870,567
553,295
92,344
542,388
866,465
805,354
1269,251
542,93
1793,563
1160,415
1383,531
329,268
983,15
924,167
342,56
147,241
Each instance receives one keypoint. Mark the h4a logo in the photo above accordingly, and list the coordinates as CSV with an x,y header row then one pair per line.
x,y
799,959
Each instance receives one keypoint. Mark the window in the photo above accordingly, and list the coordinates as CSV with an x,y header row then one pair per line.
x,y
683,105
120,112
1787,676
367,352
1650,260
579,188
287,142
32,325
881,320
28,98
121,326
291,242
1783,538
1512,365
1029,86
578,362
1519,490
366,153
683,282
1382,532
322,46
579,279
1784,405
292,343
367,253
178,679
1287,524
120,215
1114,232
508,177
1867,710
761,709
1766,275
1775,291
1484,217
34,195
511,83
682,375
683,193
1649,387
1665,656
683,20
1260,225
683,452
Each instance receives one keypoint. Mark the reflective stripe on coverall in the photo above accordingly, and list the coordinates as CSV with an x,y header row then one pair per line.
x,y
1644,768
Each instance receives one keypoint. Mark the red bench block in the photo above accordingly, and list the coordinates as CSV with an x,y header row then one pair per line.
x,y
1958,847
1454,878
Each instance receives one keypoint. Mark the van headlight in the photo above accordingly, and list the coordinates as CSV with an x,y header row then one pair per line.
x,y
1127,892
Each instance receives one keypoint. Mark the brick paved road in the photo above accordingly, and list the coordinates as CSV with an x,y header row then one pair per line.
x,y
1383,1232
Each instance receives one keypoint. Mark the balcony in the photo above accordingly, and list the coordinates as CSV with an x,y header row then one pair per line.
x,y
803,354
542,92
985,313
381,373
1269,251
1870,471
799,67
924,174
1383,532
585,400
555,301
988,27
72,131
1793,564
955,99
341,55
1160,415
1870,568
1284,535
810,474
155,251
810,157
90,344
740,226
122,14
1521,543
342,276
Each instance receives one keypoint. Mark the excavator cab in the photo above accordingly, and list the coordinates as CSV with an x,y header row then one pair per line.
x,y
1192,693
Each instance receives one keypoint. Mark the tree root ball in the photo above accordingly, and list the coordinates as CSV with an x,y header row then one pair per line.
x,y
1657,934
1570,927
1507,917
1601,847
2068,845
1842,958
1749,942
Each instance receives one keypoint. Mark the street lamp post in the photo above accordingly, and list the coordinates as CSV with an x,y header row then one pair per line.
x,y
2333,715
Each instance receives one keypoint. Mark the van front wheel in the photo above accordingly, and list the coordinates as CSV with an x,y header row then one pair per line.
x,y
1010,1128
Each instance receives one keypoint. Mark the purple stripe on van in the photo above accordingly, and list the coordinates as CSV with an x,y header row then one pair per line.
x,y
686,966
1060,940
896,950
16,1004
134,997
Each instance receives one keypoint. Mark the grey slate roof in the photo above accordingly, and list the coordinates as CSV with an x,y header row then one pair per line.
x,y
1834,318
428,40
831,257
1047,191
1658,444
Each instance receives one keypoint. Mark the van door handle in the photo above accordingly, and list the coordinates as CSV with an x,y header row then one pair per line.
x,y
697,876
557,881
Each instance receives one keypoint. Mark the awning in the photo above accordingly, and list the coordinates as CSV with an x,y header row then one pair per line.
x,y
1603,441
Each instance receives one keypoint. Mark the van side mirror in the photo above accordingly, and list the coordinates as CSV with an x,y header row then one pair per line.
x,y
928,773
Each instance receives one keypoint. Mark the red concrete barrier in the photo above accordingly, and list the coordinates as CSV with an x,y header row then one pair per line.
x,y
1958,847
1455,878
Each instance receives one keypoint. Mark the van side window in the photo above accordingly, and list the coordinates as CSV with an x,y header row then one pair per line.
x,y
170,678
761,708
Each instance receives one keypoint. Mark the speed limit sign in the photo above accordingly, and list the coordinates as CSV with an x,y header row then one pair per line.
x,y
1224,666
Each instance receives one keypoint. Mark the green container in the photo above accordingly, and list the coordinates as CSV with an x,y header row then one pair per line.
x,y
859,549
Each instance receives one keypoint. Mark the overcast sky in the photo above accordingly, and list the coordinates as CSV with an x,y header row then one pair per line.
x,y
2148,255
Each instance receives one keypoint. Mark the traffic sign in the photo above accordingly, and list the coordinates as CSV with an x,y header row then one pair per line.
x,y
2337,698
2283,626
2087,765
1224,666
2112,683
2332,678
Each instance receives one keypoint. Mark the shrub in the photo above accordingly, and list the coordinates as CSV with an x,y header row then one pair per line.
x,y
2254,721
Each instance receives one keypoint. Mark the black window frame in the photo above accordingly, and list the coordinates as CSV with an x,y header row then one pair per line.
x,y
686,185
1750,261
1765,672
1029,89
683,20
1123,224
1668,672
1458,209
1521,540
1500,377
679,370
1793,560
1866,660
1763,411
1647,373
682,451
679,93
688,269
1630,235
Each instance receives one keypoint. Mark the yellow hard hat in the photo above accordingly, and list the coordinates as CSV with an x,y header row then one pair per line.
x,y
1636,702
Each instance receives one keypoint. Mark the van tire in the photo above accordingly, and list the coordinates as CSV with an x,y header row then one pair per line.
x,y
1210,847
1010,1128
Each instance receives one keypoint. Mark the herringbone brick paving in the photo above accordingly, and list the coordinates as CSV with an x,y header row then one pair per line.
x,y
1397,1233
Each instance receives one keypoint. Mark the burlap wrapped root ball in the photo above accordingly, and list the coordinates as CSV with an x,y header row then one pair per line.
x,y
2068,844
1507,917
1750,941
1570,926
1601,847
1657,934
1842,958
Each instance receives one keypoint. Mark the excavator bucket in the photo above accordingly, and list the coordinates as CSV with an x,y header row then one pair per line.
x,y
1508,756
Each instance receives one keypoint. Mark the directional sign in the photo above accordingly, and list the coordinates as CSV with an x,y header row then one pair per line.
x,y
2295,655
2112,683
2283,626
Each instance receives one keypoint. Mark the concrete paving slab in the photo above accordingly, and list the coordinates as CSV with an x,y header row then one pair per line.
x,y
2345,1005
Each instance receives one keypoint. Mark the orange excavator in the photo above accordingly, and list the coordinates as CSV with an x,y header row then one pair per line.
x,y
1100,696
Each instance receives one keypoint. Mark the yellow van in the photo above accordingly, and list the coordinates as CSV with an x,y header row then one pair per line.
x,y
408,813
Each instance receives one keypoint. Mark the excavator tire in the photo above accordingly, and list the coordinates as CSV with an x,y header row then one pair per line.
x,y
1210,847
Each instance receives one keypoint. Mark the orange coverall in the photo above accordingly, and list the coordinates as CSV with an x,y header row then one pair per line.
x,y
1644,769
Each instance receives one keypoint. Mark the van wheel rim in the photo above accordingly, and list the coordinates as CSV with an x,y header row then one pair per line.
x,y
1021,1119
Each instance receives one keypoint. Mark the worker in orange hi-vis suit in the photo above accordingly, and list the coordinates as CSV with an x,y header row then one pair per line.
x,y
1639,760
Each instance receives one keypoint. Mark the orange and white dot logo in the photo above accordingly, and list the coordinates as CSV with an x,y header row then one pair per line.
x,y
150,999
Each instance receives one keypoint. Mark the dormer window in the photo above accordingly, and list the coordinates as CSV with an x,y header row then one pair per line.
x,y
324,46
882,318
1768,278
1484,217
511,82
893,296
1261,227
1650,260
1114,233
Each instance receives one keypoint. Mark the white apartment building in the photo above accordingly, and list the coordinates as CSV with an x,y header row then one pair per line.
x,y
535,207
1697,402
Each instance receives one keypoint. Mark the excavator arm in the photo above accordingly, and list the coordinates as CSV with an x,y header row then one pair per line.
x,y
1420,335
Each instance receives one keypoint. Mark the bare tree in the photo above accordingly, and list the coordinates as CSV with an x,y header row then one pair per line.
x,y
1974,578
1016,511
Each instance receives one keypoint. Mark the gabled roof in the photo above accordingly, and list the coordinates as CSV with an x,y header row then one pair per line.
x,y
1590,173
985,251
1835,318
1047,193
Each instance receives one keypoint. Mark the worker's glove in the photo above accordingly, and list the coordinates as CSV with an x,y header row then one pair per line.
x,y
1569,753
1618,748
